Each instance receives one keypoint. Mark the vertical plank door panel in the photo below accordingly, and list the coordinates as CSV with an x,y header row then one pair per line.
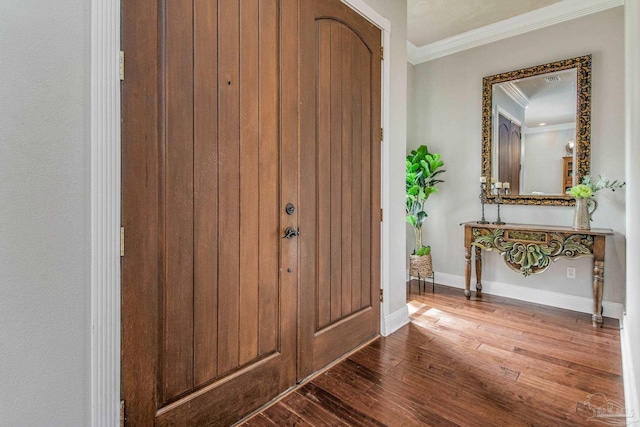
x,y
177,200
229,200
269,155
320,190
366,178
347,189
205,191
249,180
336,171
359,51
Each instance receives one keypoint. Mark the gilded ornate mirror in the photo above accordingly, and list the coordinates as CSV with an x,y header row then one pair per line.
x,y
536,131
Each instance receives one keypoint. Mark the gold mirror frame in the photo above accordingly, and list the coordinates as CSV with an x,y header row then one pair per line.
x,y
582,64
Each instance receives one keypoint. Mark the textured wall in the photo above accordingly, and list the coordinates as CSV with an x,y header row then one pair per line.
x,y
44,213
448,119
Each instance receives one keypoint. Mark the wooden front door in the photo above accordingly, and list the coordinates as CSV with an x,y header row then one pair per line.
x,y
339,183
220,313
209,136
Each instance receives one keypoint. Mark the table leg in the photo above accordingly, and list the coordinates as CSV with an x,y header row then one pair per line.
x,y
467,272
478,272
598,285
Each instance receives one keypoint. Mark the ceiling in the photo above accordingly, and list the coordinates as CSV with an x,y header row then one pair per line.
x,y
429,21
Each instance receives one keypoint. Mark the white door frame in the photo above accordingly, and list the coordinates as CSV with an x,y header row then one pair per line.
x,y
105,213
106,194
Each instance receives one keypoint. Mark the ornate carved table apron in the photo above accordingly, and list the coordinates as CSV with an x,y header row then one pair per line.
x,y
529,249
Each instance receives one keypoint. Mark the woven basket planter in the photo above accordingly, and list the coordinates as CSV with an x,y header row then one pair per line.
x,y
420,266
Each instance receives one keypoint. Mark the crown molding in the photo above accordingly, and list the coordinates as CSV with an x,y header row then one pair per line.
x,y
412,53
563,11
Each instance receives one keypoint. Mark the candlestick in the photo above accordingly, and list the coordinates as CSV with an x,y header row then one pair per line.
x,y
483,179
483,198
499,202
498,184
506,185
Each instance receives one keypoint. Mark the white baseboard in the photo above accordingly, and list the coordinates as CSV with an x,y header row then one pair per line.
x,y
395,321
553,299
632,406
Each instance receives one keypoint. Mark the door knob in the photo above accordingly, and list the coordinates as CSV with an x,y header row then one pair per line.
x,y
290,233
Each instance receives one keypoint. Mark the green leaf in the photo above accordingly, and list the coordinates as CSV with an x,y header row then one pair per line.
x,y
425,167
422,215
425,250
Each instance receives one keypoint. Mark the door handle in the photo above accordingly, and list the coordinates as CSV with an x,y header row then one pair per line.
x,y
290,233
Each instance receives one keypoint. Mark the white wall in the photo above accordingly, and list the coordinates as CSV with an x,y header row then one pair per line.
x,y
631,357
44,213
448,119
396,12
544,148
411,102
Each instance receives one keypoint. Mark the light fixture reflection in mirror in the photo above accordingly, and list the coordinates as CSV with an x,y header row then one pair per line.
x,y
569,148
536,130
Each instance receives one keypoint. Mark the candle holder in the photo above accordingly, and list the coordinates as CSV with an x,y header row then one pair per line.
x,y
499,202
483,200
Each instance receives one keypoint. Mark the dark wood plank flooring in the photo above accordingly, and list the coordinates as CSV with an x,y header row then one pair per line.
x,y
487,362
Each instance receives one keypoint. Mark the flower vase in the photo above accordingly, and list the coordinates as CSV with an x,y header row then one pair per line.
x,y
583,216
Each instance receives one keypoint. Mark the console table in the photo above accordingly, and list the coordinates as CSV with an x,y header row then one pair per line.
x,y
529,249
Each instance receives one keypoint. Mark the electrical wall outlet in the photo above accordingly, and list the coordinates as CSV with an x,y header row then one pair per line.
x,y
571,272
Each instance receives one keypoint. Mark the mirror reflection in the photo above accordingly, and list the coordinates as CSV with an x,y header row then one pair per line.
x,y
534,138
536,131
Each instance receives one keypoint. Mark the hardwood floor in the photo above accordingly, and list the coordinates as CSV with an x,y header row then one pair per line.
x,y
494,361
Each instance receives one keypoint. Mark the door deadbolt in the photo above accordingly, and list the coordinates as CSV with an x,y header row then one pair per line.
x,y
290,209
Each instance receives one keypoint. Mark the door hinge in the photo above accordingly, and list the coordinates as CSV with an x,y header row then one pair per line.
x,y
121,65
121,241
381,134
122,413
381,53
381,296
381,214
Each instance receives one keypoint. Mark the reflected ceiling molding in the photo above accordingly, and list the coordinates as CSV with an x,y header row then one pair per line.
x,y
556,13
549,128
514,92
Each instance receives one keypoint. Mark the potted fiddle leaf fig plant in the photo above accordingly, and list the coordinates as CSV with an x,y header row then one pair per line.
x,y
423,170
